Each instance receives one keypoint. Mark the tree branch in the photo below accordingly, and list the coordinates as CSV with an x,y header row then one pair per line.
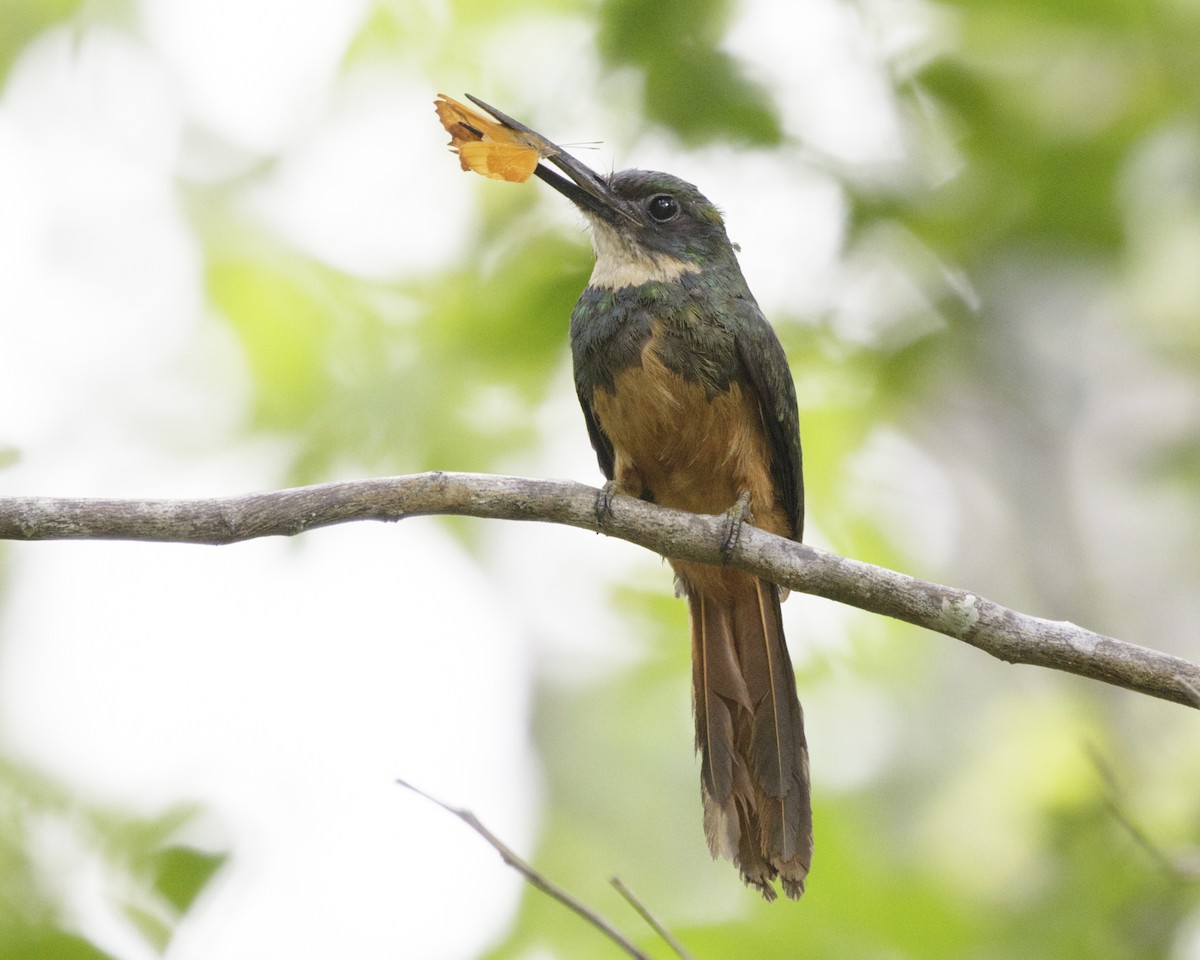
x,y
533,877
1007,634
655,924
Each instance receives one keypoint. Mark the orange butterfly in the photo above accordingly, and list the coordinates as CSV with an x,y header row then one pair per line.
x,y
488,147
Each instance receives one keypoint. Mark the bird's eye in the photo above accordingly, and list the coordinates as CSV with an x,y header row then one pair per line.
x,y
663,207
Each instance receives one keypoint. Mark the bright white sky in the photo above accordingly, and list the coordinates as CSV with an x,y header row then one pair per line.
x,y
283,686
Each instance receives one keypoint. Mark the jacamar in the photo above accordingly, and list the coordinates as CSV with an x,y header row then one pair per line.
x,y
689,403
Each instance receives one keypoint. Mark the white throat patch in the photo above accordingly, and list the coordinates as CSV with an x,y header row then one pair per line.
x,y
620,263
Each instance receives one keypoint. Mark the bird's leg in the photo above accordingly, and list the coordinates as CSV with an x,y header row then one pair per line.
x,y
604,500
627,481
735,516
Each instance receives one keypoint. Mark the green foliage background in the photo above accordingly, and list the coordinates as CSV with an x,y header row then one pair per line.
x,y
1047,216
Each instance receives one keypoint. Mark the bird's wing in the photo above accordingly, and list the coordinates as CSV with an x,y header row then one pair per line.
x,y
766,367
600,442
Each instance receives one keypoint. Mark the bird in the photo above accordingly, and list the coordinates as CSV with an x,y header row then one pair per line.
x,y
689,402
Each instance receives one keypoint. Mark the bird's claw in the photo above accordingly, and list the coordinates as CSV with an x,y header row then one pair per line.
x,y
735,516
604,510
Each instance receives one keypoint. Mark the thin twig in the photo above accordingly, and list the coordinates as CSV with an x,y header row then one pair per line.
x,y
646,915
1168,864
1007,634
532,876
1115,807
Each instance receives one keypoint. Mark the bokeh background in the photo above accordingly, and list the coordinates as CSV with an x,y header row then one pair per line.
x,y
235,255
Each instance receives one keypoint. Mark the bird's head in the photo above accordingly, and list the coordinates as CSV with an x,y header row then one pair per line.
x,y
643,222
646,225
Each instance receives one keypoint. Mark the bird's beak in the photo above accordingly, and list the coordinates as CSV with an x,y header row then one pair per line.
x,y
586,189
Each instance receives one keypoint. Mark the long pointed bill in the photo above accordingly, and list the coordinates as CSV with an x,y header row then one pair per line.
x,y
585,188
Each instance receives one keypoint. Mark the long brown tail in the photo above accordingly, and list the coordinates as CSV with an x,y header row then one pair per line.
x,y
750,734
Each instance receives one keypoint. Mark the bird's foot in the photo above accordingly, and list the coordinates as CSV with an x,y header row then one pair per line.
x,y
735,516
604,497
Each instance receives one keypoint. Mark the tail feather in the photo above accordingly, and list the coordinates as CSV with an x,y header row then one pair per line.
x,y
750,734
718,689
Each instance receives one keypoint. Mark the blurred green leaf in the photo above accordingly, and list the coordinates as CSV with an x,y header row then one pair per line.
x,y
22,20
182,873
689,84
154,880
285,323
48,944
